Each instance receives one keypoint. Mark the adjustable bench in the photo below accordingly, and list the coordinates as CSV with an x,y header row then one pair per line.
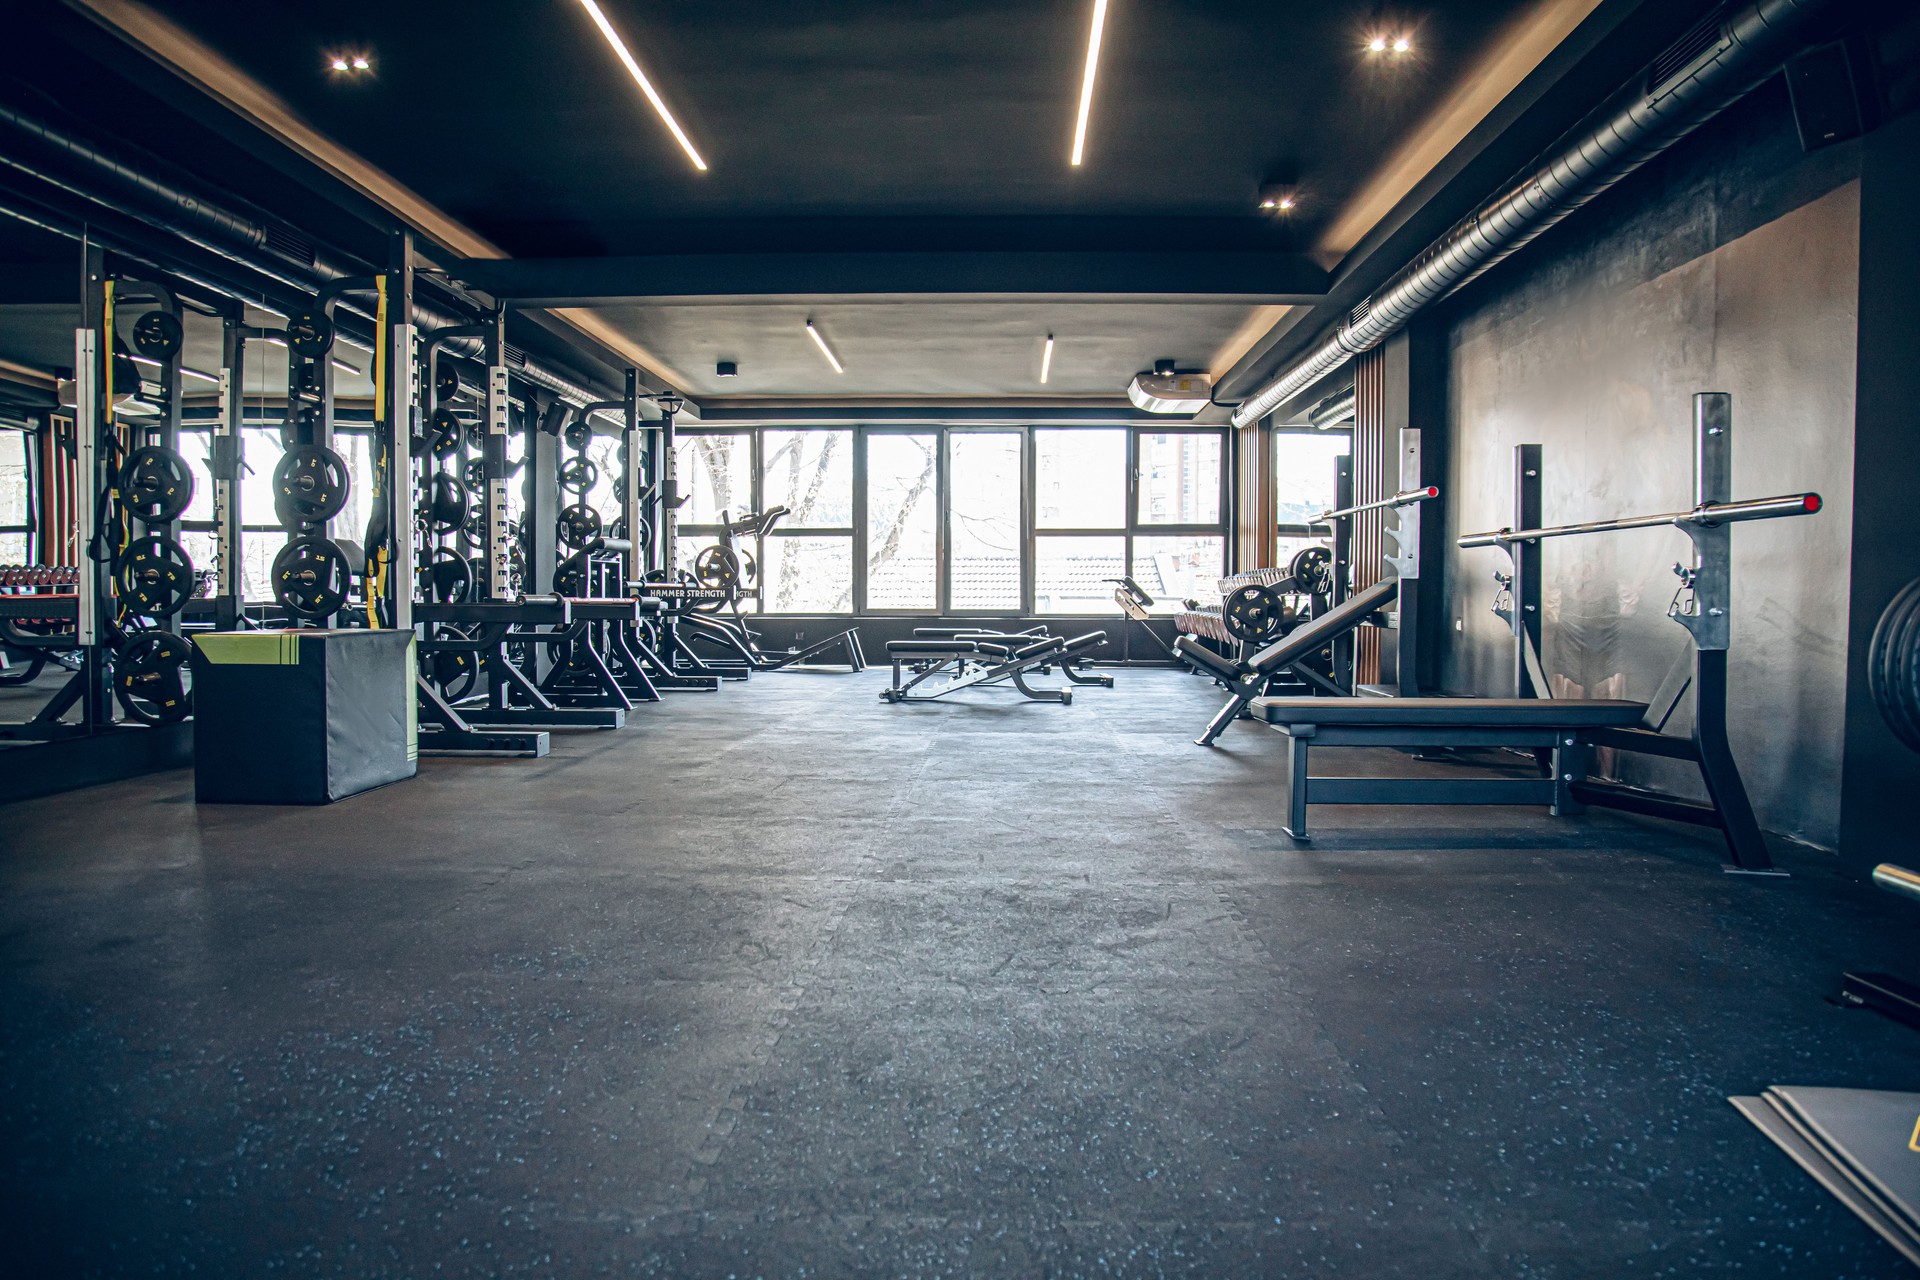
x,y
1563,727
979,658
1246,680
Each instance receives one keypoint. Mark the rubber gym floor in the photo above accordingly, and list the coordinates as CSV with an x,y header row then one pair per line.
x,y
781,981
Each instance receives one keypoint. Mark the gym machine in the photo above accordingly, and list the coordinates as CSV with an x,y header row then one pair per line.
x,y
1562,732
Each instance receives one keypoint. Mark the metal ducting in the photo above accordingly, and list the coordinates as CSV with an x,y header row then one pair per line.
x,y
252,241
1336,410
1700,75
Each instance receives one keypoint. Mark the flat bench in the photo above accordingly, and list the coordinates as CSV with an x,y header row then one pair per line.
x,y
967,659
1564,728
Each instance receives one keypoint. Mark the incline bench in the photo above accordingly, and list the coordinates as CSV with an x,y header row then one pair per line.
x,y
1563,727
1247,680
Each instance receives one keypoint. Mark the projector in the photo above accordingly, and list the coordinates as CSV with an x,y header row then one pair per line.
x,y
1170,392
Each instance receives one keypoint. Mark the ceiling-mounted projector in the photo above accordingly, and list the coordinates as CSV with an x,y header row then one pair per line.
x,y
1165,391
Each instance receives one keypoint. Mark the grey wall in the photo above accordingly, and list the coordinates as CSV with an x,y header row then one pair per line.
x,y
1731,265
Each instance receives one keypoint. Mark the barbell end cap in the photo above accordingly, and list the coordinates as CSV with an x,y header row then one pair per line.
x,y
1811,503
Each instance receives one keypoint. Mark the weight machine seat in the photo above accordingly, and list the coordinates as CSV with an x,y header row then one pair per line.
x,y
932,648
1299,642
1453,713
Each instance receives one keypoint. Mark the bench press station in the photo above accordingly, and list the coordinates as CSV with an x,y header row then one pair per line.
x,y
956,658
1564,730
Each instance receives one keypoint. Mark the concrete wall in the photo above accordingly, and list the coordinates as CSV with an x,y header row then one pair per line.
x,y
1732,265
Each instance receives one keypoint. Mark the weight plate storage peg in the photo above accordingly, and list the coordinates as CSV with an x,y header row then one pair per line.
x,y
155,577
1252,613
310,483
579,525
310,334
156,484
152,680
310,577
157,335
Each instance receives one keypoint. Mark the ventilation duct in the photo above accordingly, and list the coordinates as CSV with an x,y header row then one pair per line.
x,y
1336,410
1700,75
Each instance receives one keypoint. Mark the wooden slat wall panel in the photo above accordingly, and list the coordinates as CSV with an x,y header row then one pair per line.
x,y
58,541
1372,459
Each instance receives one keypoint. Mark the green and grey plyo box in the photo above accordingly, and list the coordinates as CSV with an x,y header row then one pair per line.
x,y
302,717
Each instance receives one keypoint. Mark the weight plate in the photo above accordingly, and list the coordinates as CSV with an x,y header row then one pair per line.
x,y
157,334
578,474
447,578
1252,613
446,433
475,474
310,484
446,381
152,678
156,484
1312,571
1893,665
447,503
155,577
310,334
579,525
578,434
310,577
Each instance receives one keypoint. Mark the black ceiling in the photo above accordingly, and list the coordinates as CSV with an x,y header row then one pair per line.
x,y
516,119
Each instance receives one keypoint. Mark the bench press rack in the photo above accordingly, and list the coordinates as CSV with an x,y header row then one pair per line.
x,y
1566,729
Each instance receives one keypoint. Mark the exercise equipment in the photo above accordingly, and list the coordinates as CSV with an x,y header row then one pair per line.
x,y
1567,729
156,484
310,485
311,577
155,577
151,678
928,669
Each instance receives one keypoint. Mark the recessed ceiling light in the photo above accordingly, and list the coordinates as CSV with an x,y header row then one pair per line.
x,y
1086,84
646,85
339,64
1377,45
726,369
1046,360
360,64
1402,45
1278,198
825,350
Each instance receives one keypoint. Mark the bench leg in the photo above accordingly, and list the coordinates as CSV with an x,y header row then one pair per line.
x,y
1294,784
1235,708
1569,763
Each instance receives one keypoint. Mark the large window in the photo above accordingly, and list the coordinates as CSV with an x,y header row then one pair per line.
x,y
14,493
901,521
962,520
1305,471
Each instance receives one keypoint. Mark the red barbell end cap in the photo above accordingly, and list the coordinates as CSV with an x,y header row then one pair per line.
x,y
1433,491
1811,502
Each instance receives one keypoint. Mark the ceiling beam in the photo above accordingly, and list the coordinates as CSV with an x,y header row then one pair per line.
x,y
1264,277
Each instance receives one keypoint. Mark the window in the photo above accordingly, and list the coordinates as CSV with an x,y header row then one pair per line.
x,y
1080,479
1070,573
715,475
15,492
984,532
807,564
1179,567
1304,471
1180,478
903,564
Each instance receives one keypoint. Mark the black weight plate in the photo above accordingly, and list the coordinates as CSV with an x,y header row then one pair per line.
x,y
446,381
310,577
475,474
446,433
1251,613
578,434
310,484
156,484
578,474
310,334
152,678
1893,665
447,578
447,503
154,576
1312,571
717,566
579,524
157,334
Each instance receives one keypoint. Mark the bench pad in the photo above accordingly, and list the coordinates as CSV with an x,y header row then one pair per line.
x,y
1478,713
932,648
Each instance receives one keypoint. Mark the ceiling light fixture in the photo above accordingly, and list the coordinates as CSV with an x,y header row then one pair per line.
x,y
1402,45
1278,197
1086,85
1046,360
360,63
188,371
1377,45
339,64
825,350
646,85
